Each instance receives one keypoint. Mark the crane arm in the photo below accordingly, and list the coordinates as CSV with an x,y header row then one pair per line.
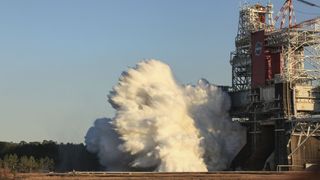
x,y
309,3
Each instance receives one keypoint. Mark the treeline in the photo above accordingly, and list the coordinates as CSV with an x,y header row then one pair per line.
x,y
47,156
26,164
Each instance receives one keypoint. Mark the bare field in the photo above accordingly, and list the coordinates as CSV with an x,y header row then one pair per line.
x,y
171,176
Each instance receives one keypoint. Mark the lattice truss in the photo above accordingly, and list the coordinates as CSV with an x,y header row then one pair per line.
x,y
305,130
249,21
301,54
300,46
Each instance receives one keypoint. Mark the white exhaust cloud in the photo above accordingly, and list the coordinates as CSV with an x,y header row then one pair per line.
x,y
163,126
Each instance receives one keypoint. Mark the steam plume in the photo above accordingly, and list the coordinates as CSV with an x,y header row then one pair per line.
x,y
164,126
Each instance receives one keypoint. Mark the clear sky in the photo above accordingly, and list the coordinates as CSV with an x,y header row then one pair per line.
x,y
60,58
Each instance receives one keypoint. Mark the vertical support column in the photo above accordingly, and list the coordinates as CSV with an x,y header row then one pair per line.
x,y
281,141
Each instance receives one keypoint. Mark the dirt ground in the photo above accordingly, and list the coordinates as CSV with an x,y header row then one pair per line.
x,y
168,176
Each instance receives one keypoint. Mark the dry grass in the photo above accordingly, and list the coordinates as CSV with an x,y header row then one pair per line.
x,y
5,173
172,176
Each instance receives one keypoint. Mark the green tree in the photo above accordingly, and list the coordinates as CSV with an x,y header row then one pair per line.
x,y
28,164
46,164
33,165
11,161
23,164
22,143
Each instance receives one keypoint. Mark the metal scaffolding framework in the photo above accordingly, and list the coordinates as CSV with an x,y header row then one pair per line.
x,y
250,20
286,96
300,46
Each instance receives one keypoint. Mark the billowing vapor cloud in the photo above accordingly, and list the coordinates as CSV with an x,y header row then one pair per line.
x,y
164,126
104,140
222,138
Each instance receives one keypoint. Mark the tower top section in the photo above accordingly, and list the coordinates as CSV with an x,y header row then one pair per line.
x,y
254,18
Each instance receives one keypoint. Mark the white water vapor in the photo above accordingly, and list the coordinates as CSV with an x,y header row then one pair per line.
x,y
164,126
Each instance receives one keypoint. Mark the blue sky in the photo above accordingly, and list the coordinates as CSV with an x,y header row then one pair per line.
x,y
60,58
